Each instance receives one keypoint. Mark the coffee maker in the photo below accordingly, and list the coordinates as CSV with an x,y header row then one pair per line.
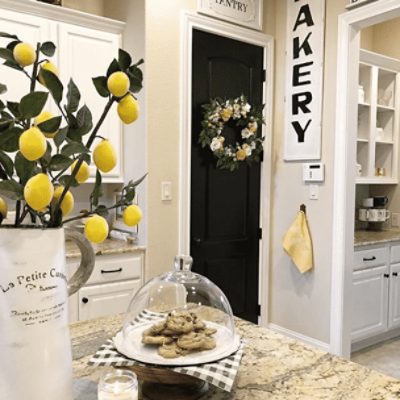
x,y
373,211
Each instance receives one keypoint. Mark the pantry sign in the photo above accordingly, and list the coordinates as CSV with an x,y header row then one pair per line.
x,y
304,77
241,12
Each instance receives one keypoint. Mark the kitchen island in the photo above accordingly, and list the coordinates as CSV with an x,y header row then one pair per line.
x,y
273,367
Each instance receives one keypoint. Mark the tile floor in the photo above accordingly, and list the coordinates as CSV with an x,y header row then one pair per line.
x,y
383,357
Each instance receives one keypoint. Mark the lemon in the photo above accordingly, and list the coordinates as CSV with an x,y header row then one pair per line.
x,y
48,66
118,84
104,156
128,109
132,215
83,172
96,229
24,54
67,205
42,117
3,208
32,144
38,192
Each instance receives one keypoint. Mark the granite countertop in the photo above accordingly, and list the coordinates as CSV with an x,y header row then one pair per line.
x,y
366,238
273,367
109,246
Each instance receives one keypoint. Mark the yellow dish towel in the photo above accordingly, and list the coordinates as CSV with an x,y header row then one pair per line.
x,y
297,243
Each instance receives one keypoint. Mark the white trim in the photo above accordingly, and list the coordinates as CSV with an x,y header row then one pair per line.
x,y
298,336
63,14
350,24
188,23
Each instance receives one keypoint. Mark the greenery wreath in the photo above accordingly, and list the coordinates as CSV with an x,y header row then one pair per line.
x,y
238,113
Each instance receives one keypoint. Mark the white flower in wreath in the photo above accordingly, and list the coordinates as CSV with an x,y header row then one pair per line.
x,y
228,152
245,109
236,111
253,145
217,144
247,149
252,126
246,133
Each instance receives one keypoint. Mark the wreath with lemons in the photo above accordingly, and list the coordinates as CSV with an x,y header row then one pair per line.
x,y
238,113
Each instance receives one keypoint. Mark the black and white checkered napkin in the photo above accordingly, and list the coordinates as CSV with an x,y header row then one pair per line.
x,y
220,374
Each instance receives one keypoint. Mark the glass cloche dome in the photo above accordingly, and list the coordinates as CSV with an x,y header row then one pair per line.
x,y
178,318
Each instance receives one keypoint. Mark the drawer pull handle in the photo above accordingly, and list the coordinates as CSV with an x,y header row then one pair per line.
x,y
369,258
386,275
394,273
111,271
85,300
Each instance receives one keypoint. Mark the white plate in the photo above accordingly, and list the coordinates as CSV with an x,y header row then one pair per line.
x,y
131,346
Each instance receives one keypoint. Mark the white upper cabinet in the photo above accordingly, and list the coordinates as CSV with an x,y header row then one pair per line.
x,y
86,45
84,54
378,118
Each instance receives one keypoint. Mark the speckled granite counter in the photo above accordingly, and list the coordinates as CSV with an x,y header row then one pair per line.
x,y
273,367
365,238
109,246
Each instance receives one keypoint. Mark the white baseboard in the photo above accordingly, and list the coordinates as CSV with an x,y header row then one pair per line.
x,y
302,338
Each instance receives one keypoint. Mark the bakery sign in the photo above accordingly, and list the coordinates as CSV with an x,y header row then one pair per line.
x,y
241,12
304,77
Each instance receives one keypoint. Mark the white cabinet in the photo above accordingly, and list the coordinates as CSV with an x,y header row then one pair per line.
x,y
375,291
370,299
378,118
83,52
114,281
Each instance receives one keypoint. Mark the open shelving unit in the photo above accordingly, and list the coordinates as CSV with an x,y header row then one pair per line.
x,y
378,119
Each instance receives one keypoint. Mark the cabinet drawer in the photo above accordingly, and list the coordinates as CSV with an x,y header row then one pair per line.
x,y
371,257
112,268
395,253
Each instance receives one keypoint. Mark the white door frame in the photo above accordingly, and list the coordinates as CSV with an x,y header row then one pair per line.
x,y
189,22
350,24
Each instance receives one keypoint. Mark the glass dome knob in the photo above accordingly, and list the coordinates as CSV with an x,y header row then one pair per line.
x,y
183,263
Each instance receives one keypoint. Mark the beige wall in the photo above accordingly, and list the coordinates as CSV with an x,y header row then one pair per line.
x,y
89,6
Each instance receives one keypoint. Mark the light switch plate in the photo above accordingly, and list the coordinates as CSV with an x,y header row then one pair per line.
x,y
166,191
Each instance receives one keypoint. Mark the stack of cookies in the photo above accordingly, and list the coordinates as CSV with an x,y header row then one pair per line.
x,y
181,333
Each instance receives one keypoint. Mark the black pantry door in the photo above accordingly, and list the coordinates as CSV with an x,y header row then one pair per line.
x,y
225,206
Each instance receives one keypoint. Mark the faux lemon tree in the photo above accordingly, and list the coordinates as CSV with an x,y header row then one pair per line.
x,y
43,156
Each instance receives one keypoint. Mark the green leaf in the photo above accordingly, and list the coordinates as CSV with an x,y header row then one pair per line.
x,y
13,107
113,67
11,190
9,139
101,210
97,190
8,36
59,162
124,59
74,148
32,104
73,97
7,163
24,168
100,83
48,49
140,62
61,135
65,180
53,84
86,157
12,44
13,64
51,125
45,159
135,79
3,88
7,54
84,119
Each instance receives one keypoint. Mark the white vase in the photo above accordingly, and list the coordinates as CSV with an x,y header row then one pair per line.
x,y
35,347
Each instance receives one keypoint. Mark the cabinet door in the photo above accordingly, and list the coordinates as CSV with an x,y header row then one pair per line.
x,y
394,296
84,54
369,302
30,29
101,300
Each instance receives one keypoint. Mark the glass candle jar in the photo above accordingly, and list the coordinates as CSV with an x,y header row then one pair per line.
x,y
118,385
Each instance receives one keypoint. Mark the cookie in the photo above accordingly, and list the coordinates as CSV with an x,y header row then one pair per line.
x,y
191,341
157,339
169,351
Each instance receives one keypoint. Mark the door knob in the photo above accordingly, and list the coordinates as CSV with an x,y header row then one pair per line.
x,y
85,300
